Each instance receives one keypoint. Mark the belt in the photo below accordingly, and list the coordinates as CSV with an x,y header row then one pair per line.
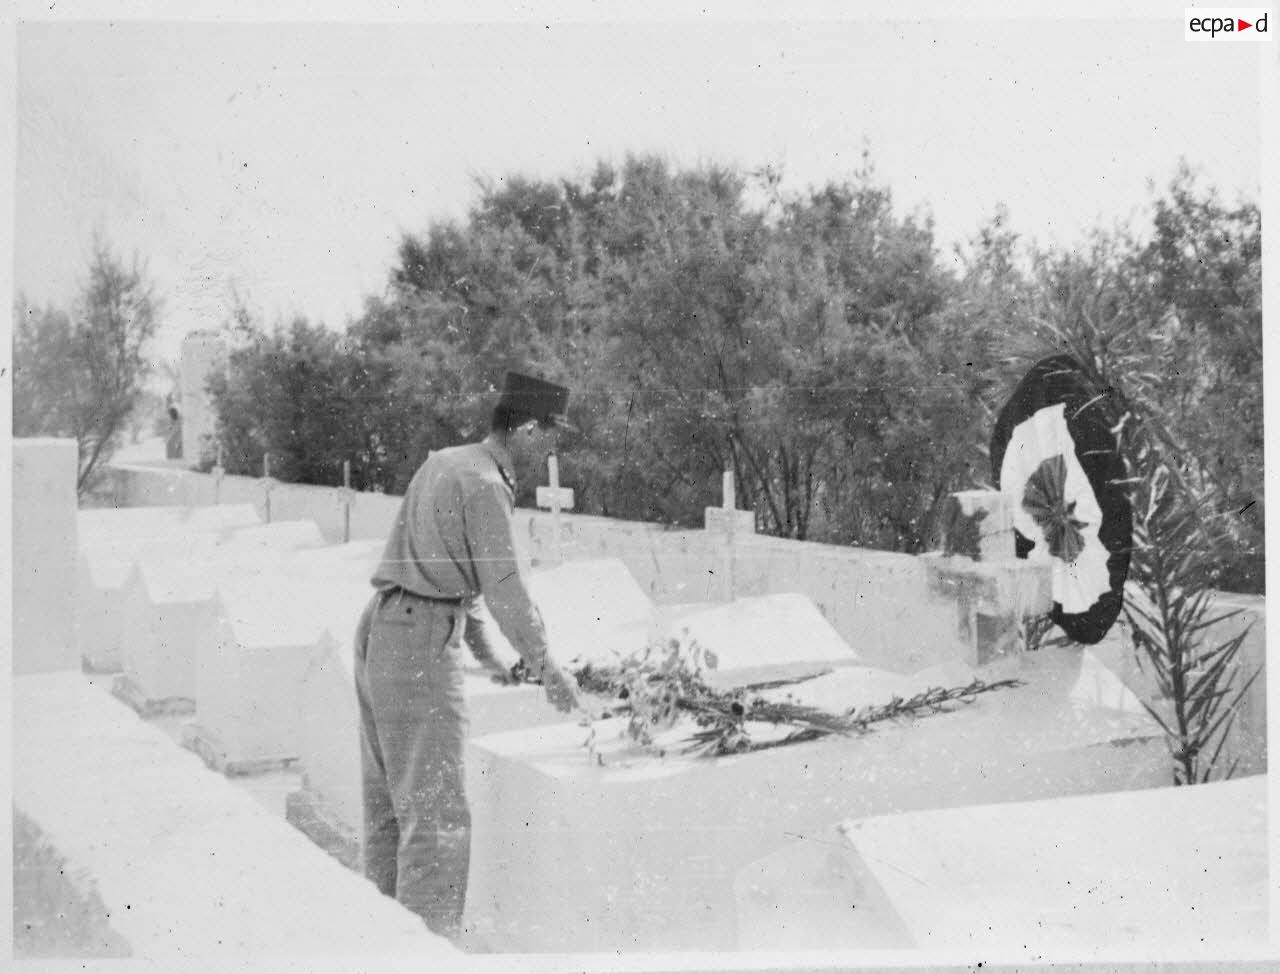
x,y
400,592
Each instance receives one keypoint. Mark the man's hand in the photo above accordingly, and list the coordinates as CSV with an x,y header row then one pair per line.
x,y
561,688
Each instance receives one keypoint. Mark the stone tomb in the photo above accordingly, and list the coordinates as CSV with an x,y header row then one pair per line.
x,y
579,602
43,493
102,573
104,525
169,611
1168,868
113,540
188,865
595,612
766,637
270,620
641,854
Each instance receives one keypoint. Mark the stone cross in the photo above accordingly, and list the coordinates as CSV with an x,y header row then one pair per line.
x,y
726,518
347,499
218,473
728,522
557,499
266,485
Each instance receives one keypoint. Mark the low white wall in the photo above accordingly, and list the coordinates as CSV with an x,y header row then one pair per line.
x,y
44,555
879,602
189,865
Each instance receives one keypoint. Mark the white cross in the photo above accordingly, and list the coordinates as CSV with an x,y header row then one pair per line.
x,y
556,498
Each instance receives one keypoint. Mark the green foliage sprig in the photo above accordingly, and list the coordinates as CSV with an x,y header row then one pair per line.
x,y
664,685
1185,530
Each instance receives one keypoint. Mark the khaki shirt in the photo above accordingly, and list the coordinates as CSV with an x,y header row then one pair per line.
x,y
454,539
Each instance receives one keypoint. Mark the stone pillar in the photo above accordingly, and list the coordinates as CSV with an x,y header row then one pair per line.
x,y
978,524
204,353
979,570
44,555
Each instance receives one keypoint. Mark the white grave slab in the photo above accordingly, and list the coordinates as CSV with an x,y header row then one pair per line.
x,y
570,855
112,541
44,555
328,805
594,611
1168,869
167,609
248,675
104,525
189,865
297,535
169,614
766,637
102,571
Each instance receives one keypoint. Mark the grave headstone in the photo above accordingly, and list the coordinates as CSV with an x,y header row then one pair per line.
x,y
555,498
44,555
98,526
102,571
1168,868
765,637
642,854
168,610
248,675
594,611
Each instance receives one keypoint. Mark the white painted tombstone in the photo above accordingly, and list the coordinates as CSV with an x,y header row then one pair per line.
x,y
570,855
279,663
279,536
166,610
111,541
764,637
555,498
98,526
44,555
727,524
594,611
268,624
102,574
1164,869
169,612
728,519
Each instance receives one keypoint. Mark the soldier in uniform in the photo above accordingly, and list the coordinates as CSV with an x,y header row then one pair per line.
x,y
451,545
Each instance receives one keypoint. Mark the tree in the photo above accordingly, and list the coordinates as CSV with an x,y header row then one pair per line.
x,y
80,374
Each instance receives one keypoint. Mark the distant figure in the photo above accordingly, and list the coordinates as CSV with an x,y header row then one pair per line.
x,y
451,543
173,442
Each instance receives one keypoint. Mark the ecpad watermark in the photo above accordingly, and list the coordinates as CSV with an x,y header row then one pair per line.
x,y
1227,24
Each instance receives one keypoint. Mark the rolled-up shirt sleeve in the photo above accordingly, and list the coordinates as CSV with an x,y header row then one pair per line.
x,y
503,584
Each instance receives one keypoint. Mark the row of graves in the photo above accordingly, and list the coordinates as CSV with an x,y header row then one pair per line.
x,y
769,791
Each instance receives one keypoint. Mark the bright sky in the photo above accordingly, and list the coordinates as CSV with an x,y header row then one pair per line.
x,y
287,159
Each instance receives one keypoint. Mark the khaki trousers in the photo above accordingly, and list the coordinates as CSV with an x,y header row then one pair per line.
x,y
413,726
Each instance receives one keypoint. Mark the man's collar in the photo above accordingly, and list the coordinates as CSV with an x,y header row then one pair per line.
x,y
502,457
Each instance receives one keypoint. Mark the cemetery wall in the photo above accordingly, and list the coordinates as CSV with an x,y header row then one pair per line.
x,y
870,597
44,555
